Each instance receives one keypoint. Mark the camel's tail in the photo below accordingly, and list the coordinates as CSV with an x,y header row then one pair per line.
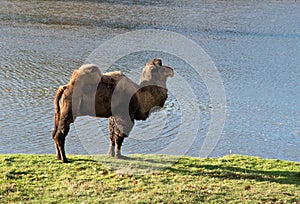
x,y
57,98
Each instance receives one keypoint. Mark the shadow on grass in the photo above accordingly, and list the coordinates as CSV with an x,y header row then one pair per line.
x,y
227,171
235,168
137,164
77,159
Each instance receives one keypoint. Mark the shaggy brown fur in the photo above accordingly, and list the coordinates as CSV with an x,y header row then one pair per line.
x,y
110,95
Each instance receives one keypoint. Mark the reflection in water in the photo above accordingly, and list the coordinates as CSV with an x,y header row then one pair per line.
x,y
254,45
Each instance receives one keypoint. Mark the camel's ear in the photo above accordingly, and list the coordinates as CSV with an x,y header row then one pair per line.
x,y
157,62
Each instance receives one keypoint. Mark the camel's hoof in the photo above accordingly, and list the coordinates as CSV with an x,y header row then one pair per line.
x,y
110,154
65,160
121,157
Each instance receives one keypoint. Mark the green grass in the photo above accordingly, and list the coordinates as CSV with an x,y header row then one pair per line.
x,y
148,179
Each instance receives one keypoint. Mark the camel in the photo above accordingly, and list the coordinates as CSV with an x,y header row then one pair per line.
x,y
109,95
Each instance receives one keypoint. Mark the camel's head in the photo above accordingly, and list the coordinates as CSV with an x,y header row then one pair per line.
x,y
156,73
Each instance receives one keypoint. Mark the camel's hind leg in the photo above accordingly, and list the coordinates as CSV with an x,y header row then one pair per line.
x,y
59,141
60,148
60,134
58,156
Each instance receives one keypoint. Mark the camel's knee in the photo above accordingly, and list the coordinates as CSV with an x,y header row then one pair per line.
x,y
54,132
59,139
60,134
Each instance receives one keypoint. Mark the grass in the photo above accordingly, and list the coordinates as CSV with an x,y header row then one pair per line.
x,y
148,179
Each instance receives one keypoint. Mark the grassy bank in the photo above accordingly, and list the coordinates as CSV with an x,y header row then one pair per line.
x,y
148,179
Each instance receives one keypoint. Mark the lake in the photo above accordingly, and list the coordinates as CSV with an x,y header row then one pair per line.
x,y
255,47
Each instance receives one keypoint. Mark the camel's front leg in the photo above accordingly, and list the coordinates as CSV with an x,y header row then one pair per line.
x,y
118,130
111,151
111,127
119,141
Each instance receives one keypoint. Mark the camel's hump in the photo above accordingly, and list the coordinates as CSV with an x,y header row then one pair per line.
x,y
88,68
116,75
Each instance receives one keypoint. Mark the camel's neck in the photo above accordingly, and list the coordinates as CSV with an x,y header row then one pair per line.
x,y
161,83
150,96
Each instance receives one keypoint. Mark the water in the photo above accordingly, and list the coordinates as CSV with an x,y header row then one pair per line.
x,y
255,46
